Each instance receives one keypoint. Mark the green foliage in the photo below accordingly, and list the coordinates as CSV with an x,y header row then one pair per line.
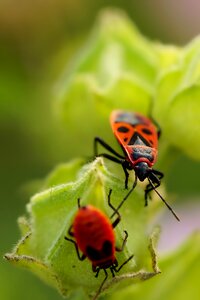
x,y
177,101
118,68
43,248
179,279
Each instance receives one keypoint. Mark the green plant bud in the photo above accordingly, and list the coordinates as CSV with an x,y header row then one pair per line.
x,y
116,68
43,249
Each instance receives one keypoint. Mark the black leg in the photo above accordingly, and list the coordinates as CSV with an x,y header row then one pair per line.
x,y
125,198
159,131
110,157
147,194
115,211
96,269
154,121
124,166
124,263
70,232
106,146
112,271
123,243
79,204
80,257
118,161
159,174
101,286
118,158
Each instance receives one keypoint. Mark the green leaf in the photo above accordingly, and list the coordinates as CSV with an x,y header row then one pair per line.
x,y
183,120
169,56
177,106
43,249
64,173
36,266
179,279
116,68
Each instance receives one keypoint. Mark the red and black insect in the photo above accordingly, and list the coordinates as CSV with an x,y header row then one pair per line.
x,y
94,236
138,137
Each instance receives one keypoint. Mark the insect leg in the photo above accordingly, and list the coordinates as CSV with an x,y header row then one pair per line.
x,y
123,243
106,146
159,131
79,204
80,257
124,263
70,232
101,286
148,189
112,271
125,198
96,269
115,211
121,161
124,166
155,123
159,174
110,157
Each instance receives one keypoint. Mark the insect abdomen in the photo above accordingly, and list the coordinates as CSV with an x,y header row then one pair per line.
x,y
94,234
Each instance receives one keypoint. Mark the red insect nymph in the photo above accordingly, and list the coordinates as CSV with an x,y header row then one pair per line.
x,y
94,236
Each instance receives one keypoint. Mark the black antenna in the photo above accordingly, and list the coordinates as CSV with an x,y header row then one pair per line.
x,y
169,207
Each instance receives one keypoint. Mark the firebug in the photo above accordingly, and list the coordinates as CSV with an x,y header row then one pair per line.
x,y
93,235
138,138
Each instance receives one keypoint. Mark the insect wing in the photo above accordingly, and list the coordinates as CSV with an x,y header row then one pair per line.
x,y
132,129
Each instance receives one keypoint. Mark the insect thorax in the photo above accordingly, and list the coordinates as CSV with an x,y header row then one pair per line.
x,y
141,153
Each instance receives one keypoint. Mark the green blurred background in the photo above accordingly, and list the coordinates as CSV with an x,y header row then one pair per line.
x,y
37,40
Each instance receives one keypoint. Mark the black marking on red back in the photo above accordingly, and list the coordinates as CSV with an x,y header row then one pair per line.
x,y
105,252
146,131
122,129
133,129
137,139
